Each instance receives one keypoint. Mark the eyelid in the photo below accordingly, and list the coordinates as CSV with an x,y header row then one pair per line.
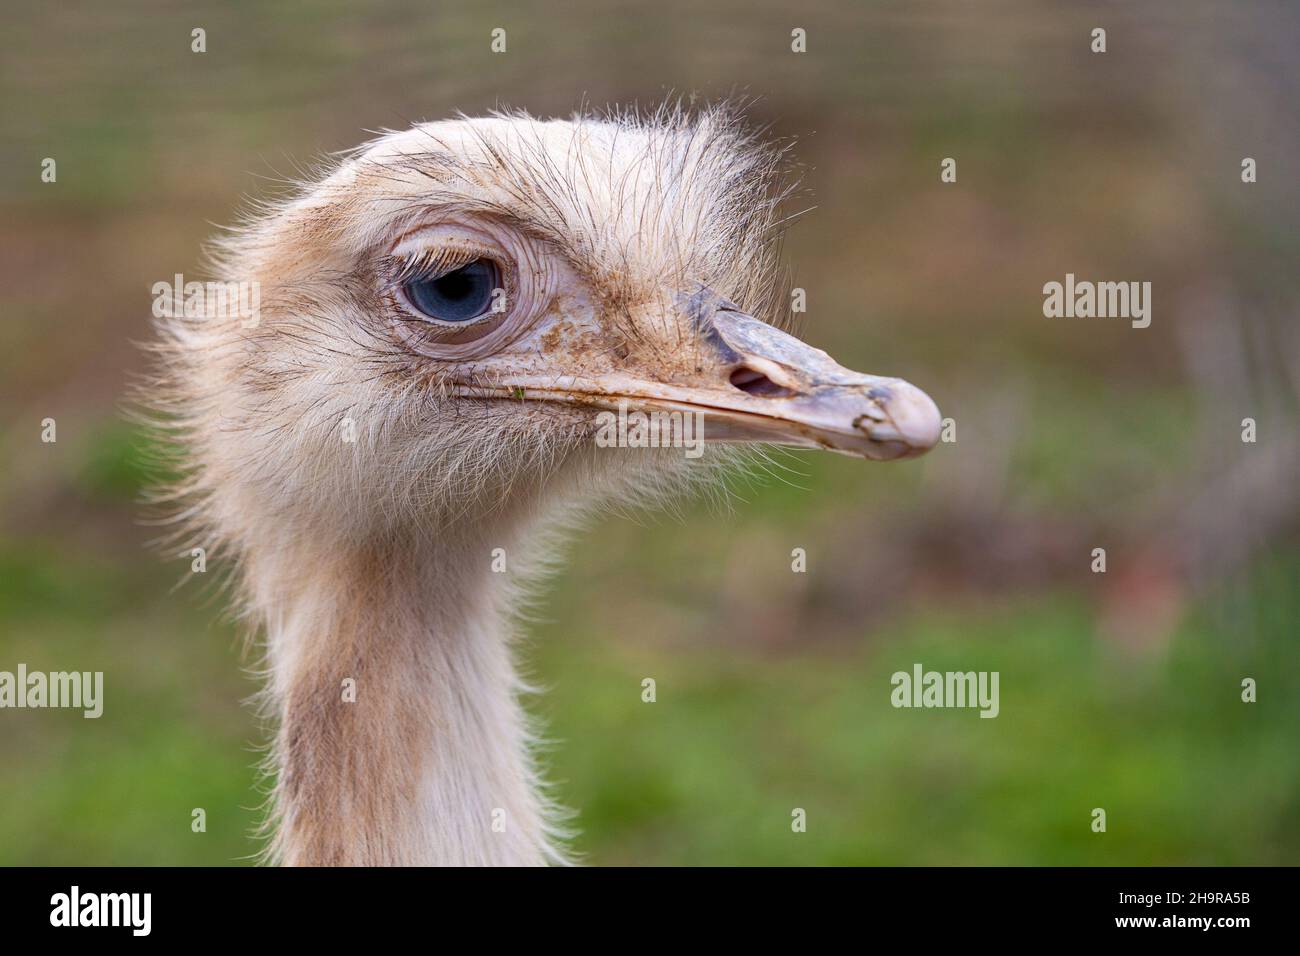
x,y
433,259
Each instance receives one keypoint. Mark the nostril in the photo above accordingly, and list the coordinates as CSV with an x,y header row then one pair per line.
x,y
755,383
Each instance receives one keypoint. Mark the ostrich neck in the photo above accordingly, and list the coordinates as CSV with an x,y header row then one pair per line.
x,y
401,740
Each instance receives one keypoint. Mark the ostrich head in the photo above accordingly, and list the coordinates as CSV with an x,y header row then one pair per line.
x,y
443,319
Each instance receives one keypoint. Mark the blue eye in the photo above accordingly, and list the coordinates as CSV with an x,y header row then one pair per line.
x,y
457,296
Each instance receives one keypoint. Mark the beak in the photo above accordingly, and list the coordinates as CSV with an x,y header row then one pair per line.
x,y
769,386
754,383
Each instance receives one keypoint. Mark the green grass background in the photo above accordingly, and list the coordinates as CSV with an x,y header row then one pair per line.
x,y
772,688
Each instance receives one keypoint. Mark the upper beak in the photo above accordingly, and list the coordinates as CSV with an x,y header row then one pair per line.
x,y
754,383
769,386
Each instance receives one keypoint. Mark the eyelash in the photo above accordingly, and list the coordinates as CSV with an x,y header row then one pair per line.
x,y
431,262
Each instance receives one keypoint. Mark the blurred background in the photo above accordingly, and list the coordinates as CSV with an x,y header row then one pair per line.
x,y
1119,690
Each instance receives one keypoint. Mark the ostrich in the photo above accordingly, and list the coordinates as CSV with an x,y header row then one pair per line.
x,y
444,315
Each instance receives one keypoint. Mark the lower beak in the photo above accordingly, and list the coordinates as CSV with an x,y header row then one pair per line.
x,y
751,382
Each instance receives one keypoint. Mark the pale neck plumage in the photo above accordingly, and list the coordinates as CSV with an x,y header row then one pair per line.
x,y
401,739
